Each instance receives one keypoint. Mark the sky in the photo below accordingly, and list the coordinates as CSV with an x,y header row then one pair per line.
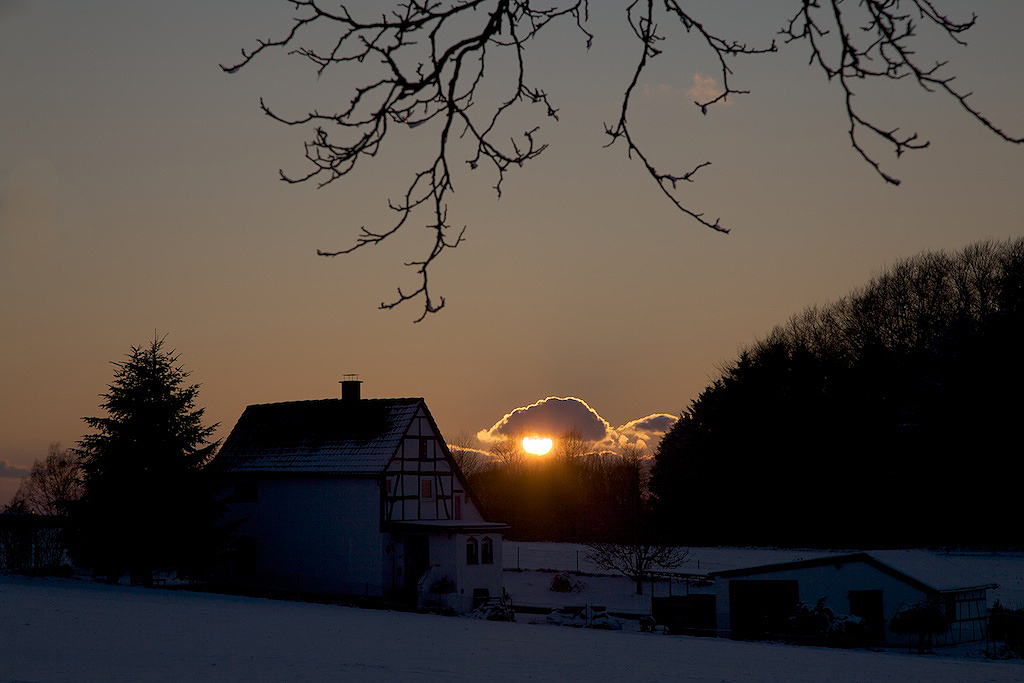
x,y
139,196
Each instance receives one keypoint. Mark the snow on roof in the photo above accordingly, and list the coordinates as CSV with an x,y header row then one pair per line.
x,y
940,573
449,525
918,568
328,436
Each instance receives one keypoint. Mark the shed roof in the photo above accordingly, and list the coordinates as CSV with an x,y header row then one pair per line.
x,y
920,569
327,436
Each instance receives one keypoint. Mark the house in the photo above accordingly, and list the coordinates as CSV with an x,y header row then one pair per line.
x,y
357,497
755,602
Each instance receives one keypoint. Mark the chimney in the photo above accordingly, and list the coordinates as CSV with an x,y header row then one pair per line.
x,y
350,387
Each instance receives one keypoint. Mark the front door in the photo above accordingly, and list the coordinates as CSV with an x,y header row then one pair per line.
x,y
417,561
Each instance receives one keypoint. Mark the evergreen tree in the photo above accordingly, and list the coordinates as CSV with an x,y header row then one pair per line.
x,y
148,501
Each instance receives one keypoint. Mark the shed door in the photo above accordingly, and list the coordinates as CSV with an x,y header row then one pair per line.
x,y
759,608
868,606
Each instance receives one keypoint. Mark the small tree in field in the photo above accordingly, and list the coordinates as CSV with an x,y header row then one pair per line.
x,y
148,502
53,485
636,559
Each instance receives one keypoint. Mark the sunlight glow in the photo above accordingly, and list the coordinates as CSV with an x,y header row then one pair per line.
x,y
537,445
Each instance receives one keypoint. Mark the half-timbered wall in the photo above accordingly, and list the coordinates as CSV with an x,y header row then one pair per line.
x,y
420,483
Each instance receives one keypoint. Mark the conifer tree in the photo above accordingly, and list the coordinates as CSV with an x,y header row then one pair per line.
x,y
148,501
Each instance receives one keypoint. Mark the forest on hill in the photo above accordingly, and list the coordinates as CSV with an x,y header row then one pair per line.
x,y
888,418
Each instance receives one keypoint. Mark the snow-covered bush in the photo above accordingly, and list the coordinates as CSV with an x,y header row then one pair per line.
x,y
820,624
585,617
564,582
494,610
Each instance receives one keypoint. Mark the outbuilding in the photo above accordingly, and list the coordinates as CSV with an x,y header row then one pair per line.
x,y
759,602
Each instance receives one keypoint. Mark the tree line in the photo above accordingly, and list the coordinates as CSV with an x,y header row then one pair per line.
x,y
886,418
573,493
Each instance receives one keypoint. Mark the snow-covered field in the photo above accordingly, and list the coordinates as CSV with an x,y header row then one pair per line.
x,y
76,630
65,630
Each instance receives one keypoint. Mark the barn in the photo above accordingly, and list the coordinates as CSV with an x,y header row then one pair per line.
x,y
757,602
357,497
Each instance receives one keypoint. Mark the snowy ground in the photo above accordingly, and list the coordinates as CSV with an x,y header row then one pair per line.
x,y
66,630
76,630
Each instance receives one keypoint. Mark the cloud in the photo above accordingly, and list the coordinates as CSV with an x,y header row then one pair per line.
x,y
8,470
551,416
705,89
658,90
645,432
554,416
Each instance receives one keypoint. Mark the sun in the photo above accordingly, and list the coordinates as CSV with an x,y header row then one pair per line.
x,y
537,445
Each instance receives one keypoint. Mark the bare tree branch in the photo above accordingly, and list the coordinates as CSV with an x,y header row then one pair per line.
x,y
879,48
423,61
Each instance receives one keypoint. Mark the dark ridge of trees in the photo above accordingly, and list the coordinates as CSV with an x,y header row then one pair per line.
x,y
890,417
571,494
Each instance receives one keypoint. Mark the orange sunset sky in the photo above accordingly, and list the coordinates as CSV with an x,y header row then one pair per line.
x,y
139,195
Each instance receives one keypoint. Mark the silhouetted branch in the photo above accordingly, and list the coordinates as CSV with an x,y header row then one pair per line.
x,y
422,61
646,31
879,48
433,55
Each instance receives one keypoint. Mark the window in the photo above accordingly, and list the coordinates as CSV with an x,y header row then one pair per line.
x,y
486,551
387,486
457,503
471,551
426,488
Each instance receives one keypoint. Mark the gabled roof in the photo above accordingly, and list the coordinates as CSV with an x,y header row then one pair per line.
x,y
329,436
931,575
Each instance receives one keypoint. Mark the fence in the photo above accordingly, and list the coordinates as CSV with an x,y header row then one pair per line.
x,y
30,542
557,556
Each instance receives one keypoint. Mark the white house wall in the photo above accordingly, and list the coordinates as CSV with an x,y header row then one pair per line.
x,y
480,575
448,558
317,534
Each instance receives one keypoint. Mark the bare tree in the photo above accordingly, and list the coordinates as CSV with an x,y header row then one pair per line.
x,y
52,485
471,460
636,559
509,452
423,63
570,447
